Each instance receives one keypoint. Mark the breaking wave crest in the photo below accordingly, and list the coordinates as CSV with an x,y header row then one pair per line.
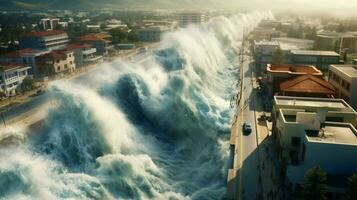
x,y
157,128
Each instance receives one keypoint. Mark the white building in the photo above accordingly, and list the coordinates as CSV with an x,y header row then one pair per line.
x,y
11,76
344,79
315,132
187,18
49,24
263,52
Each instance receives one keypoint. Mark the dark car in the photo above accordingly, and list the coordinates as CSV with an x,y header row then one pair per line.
x,y
247,128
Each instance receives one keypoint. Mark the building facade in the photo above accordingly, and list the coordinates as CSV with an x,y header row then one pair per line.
x,y
45,40
84,54
11,77
187,18
56,63
276,74
152,33
314,132
49,24
320,59
263,53
344,79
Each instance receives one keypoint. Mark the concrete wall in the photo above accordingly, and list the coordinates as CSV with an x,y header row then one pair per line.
x,y
332,158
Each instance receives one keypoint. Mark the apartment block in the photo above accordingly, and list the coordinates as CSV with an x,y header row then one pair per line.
x,y
11,77
320,59
49,40
315,132
344,79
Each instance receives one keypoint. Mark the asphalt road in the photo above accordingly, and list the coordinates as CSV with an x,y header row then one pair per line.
x,y
249,179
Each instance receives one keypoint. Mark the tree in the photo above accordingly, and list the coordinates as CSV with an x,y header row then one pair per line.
x,y
352,187
278,56
314,186
27,84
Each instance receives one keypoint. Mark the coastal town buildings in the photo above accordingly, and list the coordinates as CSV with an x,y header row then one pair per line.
x,y
186,18
263,53
44,40
100,41
344,79
288,79
49,23
320,59
315,132
56,63
152,33
11,77
84,54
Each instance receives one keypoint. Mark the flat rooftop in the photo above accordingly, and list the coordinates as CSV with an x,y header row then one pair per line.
x,y
349,70
314,53
312,102
334,133
265,42
293,69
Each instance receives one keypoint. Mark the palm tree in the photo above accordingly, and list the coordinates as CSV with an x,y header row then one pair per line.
x,y
314,186
352,187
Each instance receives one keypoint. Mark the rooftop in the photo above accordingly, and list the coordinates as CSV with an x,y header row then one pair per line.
x,y
307,84
293,69
8,67
311,52
43,33
265,42
349,70
78,46
334,133
312,102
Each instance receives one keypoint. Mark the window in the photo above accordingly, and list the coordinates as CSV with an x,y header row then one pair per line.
x,y
57,61
295,141
65,66
58,68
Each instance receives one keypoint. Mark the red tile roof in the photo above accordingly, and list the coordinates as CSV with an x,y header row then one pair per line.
x,y
78,46
307,84
55,55
43,33
95,37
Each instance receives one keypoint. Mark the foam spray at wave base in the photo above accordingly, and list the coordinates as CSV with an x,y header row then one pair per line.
x,y
157,128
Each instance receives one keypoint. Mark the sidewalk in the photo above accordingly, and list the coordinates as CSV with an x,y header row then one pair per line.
x,y
269,164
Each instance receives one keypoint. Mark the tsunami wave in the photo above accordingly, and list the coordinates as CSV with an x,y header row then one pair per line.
x,y
155,128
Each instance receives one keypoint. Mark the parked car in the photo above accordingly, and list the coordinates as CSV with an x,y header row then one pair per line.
x,y
247,128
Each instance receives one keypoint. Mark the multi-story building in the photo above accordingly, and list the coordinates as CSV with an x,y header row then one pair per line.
x,y
263,53
50,40
336,41
152,33
320,59
49,24
315,132
344,79
187,18
99,41
11,77
84,54
26,57
56,63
